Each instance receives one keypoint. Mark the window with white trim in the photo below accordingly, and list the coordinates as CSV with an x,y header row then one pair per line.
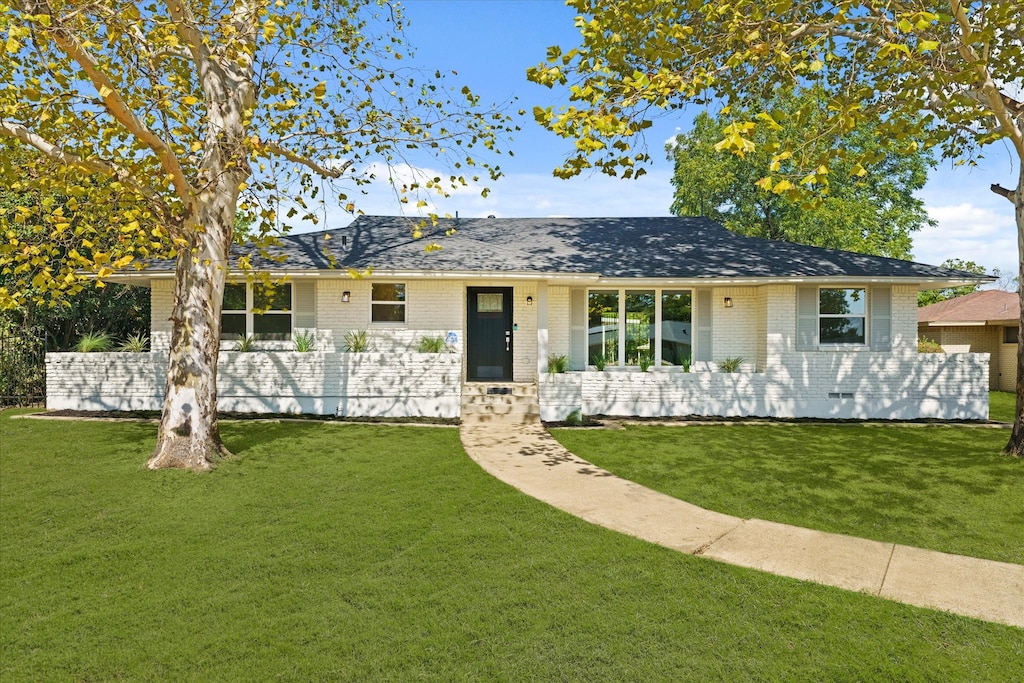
x,y
657,328
387,302
256,310
842,315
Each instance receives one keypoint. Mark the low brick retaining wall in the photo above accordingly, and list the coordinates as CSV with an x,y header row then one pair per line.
x,y
351,384
816,385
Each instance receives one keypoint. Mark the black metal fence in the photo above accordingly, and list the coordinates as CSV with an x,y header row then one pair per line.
x,y
22,366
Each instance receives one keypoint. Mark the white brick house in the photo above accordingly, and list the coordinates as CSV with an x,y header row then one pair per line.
x,y
646,311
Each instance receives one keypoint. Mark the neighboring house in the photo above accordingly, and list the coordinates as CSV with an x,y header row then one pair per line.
x,y
822,333
979,322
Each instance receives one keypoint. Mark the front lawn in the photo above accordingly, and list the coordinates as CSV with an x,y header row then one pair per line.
x,y
1001,406
345,552
944,488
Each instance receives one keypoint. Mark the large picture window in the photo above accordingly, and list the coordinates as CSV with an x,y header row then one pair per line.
x,y
603,330
629,327
842,316
256,310
676,327
387,302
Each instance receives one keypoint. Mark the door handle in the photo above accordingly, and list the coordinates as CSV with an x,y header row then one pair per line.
x,y
508,340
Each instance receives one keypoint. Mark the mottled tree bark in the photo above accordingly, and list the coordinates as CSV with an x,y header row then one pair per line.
x,y
189,435
1015,446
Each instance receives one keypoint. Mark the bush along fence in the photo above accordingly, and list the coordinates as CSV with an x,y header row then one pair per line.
x,y
22,367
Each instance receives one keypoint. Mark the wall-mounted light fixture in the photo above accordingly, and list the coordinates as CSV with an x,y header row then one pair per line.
x,y
529,301
728,302
346,296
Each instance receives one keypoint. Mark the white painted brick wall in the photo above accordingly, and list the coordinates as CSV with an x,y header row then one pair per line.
x,y
904,319
862,386
559,322
357,384
560,395
735,329
161,298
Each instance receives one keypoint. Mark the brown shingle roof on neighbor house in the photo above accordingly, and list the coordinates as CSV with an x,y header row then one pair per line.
x,y
989,306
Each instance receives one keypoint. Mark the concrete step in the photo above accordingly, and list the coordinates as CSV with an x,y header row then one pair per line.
x,y
517,418
501,409
498,389
500,403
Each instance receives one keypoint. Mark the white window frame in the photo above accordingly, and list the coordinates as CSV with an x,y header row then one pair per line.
x,y
866,316
657,322
404,304
250,317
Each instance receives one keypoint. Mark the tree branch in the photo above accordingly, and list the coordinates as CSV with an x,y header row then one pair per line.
x,y
993,96
24,135
1003,192
185,26
277,149
112,100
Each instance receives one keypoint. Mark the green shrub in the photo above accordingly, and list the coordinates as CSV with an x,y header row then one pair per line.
x,y
598,361
93,342
730,364
432,345
246,343
305,341
557,363
575,418
926,345
137,343
645,361
357,341
686,363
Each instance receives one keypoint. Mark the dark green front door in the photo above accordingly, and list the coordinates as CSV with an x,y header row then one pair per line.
x,y
489,333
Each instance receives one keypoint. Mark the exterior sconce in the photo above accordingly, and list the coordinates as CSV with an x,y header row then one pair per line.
x,y
728,302
346,296
529,301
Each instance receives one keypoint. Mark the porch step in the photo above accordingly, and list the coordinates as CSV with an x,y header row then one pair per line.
x,y
500,402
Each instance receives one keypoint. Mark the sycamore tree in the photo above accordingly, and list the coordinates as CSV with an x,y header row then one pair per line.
x,y
947,75
162,121
873,212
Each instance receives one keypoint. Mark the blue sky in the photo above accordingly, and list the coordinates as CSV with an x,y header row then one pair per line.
x,y
491,43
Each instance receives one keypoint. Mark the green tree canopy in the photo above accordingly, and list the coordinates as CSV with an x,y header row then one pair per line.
x,y
871,210
176,117
933,296
942,74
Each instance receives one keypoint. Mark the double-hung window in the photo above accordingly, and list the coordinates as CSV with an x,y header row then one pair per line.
x,y
257,310
842,316
387,302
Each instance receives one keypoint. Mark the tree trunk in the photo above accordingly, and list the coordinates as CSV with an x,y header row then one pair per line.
x,y
1015,446
189,435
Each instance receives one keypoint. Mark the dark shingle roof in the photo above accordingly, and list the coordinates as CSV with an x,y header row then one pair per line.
x,y
612,247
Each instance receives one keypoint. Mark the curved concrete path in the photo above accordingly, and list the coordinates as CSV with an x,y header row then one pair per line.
x,y
528,458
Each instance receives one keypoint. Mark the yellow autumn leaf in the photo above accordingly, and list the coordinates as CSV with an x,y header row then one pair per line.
x,y
190,100
782,186
320,91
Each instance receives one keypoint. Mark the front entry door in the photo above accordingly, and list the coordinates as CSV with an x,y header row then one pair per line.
x,y
489,333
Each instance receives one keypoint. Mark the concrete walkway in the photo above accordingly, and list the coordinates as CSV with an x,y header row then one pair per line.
x,y
528,458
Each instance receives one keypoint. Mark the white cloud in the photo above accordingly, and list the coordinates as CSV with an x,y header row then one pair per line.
x,y
970,232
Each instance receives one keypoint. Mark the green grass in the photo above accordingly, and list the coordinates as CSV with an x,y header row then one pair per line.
x,y
945,488
1001,406
347,552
